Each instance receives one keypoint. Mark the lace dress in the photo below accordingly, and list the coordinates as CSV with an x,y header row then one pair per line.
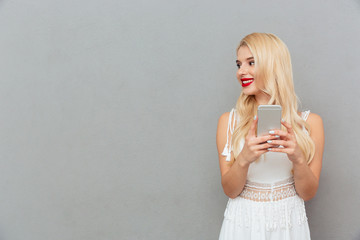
x,y
268,207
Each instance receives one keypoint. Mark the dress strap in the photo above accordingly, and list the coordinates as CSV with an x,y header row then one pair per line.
x,y
227,149
305,115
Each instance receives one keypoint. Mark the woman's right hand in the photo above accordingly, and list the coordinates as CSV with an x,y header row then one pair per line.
x,y
254,146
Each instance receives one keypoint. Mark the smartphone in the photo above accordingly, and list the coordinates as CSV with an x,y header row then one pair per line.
x,y
269,118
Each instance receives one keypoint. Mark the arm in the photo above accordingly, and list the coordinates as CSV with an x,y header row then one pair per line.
x,y
234,173
306,176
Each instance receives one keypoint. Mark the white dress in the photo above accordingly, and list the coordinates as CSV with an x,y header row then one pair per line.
x,y
268,208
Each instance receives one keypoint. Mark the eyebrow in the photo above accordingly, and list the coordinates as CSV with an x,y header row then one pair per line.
x,y
249,58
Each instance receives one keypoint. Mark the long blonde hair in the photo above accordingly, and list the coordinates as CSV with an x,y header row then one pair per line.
x,y
273,67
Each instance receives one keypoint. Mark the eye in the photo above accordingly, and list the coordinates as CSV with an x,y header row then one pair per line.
x,y
252,63
238,65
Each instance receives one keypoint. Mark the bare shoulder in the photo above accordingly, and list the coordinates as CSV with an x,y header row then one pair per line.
x,y
225,129
315,121
224,118
317,135
316,130
221,130
223,136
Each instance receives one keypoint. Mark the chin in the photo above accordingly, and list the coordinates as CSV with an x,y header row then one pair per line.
x,y
247,91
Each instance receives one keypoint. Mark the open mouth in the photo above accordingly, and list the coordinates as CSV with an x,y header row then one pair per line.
x,y
247,81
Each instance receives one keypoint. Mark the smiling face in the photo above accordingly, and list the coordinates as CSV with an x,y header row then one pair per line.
x,y
247,77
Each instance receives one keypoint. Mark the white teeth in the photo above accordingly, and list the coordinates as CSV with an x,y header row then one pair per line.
x,y
247,81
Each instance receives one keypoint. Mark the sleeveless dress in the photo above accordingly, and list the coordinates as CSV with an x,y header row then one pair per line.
x,y
268,208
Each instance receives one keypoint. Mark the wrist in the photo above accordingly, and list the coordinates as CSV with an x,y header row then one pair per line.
x,y
242,161
300,163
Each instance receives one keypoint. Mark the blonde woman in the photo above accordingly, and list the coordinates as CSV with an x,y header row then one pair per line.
x,y
267,186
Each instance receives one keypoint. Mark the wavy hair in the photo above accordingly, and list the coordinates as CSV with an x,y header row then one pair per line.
x,y
273,67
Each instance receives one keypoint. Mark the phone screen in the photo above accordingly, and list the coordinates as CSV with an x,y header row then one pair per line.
x,y
269,118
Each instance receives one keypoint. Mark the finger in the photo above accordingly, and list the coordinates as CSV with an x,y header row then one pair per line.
x,y
279,142
282,150
280,133
253,126
261,147
260,152
263,139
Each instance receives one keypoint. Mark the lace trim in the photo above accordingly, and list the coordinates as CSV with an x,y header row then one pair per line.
x,y
264,192
268,195
286,181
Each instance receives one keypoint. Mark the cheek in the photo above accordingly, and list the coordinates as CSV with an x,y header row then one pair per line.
x,y
259,83
252,72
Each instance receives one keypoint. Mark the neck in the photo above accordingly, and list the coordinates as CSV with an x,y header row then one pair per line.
x,y
262,98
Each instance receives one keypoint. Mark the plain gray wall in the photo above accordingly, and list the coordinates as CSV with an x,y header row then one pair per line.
x,y
109,111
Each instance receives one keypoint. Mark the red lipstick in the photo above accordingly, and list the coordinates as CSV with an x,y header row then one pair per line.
x,y
247,81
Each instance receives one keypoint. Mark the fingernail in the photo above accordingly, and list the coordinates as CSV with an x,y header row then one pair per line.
x,y
269,141
255,117
269,149
282,120
277,136
271,131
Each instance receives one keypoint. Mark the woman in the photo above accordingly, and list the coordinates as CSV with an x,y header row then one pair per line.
x,y
267,186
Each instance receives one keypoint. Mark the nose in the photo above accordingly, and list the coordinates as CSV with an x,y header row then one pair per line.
x,y
243,70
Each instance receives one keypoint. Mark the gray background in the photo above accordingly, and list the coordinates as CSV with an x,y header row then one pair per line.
x,y
109,111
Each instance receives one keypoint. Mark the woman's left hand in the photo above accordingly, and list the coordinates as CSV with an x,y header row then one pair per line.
x,y
289,143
